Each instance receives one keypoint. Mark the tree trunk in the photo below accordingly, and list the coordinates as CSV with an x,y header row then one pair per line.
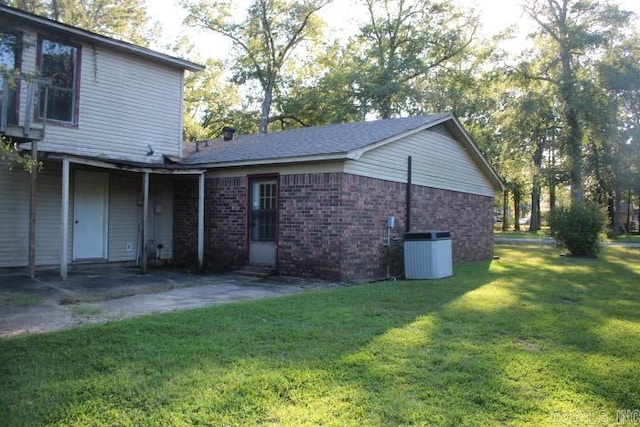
x,y
552,179
617,208
629,212
568,90
505,210
517,198
266,107
534,222
610,210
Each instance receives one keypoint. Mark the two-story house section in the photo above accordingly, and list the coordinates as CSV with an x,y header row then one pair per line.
x,y
104,117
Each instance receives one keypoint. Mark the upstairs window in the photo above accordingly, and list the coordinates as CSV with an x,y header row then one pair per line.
x,y
59,63
9,56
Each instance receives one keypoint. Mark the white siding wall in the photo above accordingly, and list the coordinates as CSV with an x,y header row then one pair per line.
x,y
14,216
161,214
126,104
124,216
438,161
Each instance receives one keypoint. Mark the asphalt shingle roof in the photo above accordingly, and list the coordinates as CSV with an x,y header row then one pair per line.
x,y
305,142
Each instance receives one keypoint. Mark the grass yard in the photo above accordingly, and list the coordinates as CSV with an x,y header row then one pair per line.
x,y
544,234
531,339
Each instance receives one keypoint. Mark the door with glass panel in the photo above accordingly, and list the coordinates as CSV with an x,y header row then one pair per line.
x,y
263,225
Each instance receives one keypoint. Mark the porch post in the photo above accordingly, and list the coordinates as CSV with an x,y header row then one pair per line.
x,y
32,208
145,222
201,182
64,226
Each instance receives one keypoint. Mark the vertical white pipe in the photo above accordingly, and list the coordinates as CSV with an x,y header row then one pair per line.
x,y
64,226
145,221
32,208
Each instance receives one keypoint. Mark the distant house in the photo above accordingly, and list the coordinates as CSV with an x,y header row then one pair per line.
x,y
316,201
629,216
107,120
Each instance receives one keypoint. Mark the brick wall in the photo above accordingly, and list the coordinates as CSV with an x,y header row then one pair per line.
x,y
333,225
469,217
311,222
367,203
225,225
185,222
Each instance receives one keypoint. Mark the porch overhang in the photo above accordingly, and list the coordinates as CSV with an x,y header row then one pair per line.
x,y
123,165
146,170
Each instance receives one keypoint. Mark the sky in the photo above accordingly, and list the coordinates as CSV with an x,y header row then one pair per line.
x,y
495,15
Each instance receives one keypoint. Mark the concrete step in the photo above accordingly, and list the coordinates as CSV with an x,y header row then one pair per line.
x,y
258,270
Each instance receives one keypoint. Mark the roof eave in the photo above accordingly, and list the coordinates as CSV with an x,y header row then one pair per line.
x,y
275,161
115,164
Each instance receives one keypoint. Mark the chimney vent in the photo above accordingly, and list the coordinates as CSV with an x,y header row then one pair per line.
x,y
227,133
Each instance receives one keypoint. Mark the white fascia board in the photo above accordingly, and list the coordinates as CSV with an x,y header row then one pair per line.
x,y
276,161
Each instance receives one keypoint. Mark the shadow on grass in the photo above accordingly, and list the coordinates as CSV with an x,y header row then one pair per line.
x,y
237,362
517,341
572,334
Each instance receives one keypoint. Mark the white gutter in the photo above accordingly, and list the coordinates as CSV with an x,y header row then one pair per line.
x,y
281,161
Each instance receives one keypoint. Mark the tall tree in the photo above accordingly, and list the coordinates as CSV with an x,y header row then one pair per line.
x,y
264,40
121,19
577,30
613,118
401,41
210,103
321,92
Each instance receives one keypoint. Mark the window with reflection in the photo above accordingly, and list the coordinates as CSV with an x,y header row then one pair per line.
x,y
59,65
9,56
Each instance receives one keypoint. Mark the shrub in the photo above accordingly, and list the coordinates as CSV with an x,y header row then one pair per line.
x,y
578,228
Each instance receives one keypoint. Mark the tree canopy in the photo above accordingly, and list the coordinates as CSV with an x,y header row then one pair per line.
x,y
264,40
558,116
121,19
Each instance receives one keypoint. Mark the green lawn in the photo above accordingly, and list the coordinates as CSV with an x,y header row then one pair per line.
x,y
530,339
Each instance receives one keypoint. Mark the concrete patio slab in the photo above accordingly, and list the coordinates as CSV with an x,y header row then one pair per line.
x,y
104,294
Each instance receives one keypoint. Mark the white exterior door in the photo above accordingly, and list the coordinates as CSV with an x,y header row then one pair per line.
x,y
90,207
263,247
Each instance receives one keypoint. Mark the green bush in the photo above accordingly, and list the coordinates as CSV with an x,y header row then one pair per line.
x,y
578,228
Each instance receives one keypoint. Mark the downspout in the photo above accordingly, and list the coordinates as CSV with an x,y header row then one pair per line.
x,y
408,200
201,192
145,221
33,186
32,209
65,219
